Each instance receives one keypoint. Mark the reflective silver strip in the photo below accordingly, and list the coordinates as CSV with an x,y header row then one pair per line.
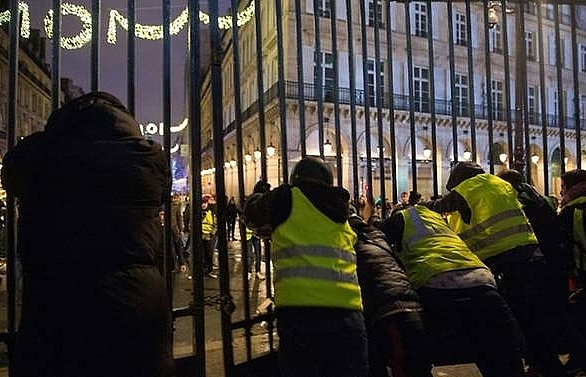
x,y
483,226
523,228
421,230
313,272
318,251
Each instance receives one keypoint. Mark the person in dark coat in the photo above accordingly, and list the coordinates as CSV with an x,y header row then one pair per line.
x,y
89,188
392,311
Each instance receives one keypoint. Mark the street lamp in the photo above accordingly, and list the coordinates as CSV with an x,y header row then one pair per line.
x,y
327,147
503,157
271,150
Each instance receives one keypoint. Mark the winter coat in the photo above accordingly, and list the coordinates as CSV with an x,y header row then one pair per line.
x,y
385,288
89,189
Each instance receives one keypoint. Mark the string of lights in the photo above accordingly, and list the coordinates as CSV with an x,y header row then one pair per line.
x,y
148,32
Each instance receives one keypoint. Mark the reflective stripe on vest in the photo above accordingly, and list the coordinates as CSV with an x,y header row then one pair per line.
x,y
498,223
314,259
430,247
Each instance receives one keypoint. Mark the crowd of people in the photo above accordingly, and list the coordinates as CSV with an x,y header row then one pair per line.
x,y
492,273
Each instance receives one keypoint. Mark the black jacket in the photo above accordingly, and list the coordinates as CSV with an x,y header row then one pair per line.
x,y
89,189
383,282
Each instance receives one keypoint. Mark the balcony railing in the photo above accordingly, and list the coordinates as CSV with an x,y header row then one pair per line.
x,y
401,103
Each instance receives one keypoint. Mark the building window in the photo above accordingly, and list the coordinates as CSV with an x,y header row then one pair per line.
x,y
420,19
379,13
461,94
496,39
327,74
323,8
372,82
421,89
583,106
531,105
583,58
531,8
497,99
555,103
529,45
461,34
549,12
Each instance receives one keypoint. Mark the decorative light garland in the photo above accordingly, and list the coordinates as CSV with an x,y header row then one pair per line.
x,y
25,25
149,32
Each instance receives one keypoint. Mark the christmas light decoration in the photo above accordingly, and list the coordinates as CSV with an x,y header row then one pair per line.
x,y
148,32
84,36
25,26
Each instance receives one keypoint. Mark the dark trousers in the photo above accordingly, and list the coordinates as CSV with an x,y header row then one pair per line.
x,y
253,253
208,256
472,325
399,341
526,285
322,342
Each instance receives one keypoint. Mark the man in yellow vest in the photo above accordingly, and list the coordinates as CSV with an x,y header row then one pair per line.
x,y
485,212
317,296
466,318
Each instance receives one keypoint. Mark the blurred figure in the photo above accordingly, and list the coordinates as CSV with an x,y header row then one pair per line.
x,y
466,318
484,210
208,230
317,296
559,268
175,257
231,216
392,311
572,220
94,302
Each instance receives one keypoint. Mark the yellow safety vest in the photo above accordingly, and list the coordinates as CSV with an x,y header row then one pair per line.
x,y
249,233
498,222
430,247
578,232
314,259
208,224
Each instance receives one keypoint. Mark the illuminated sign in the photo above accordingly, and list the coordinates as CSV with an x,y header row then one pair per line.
x,y
149,32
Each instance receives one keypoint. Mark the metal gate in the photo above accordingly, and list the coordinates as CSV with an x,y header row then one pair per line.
x,y
388,93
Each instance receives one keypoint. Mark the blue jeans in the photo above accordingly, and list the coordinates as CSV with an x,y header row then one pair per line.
x,y
322,342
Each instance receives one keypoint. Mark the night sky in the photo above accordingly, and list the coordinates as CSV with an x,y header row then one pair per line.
x,y
75,64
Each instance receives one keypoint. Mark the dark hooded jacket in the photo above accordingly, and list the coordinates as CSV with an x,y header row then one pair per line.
x,y
89,188
384,285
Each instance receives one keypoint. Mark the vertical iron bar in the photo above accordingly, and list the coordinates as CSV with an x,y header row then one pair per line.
x,y
411,96
488,63
560,88
471,101
352,79
543,103
56,58
260,91
300,80
366,99
378,97
281,89
575,76
10,200
520,67
452,79
241,190
131,57
336,112
166,7
391,85
196,246
95,54
431,60
507,69
318,76
218,139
